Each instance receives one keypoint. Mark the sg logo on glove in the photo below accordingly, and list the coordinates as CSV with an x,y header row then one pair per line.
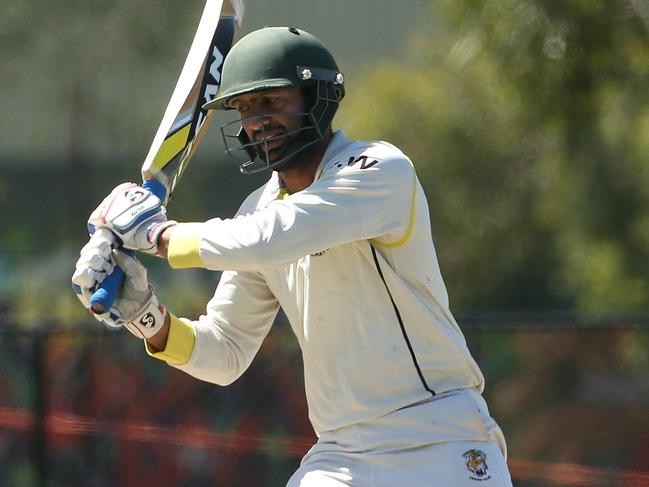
x,y
135,195
148,320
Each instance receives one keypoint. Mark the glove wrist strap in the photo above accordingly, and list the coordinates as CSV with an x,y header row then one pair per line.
x,y
153,232
149,320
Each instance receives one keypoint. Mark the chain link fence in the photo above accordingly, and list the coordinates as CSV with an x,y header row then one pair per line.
x,y
89,407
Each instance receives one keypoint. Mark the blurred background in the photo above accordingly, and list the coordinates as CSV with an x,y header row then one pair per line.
x,y
528,123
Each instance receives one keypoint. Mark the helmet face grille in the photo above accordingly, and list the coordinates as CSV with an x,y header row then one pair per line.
x,y
269,59
255,156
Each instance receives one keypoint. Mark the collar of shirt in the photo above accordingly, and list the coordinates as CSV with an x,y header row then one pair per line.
x,y
339,142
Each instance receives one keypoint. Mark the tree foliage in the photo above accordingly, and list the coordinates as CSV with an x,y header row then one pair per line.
x,y
528,123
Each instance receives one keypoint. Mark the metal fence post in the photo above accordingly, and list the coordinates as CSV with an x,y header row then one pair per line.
x,y
40,407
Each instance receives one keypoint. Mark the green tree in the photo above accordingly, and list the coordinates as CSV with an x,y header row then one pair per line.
x,y
528,122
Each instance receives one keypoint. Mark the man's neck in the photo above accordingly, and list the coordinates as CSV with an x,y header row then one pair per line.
x,y
302,176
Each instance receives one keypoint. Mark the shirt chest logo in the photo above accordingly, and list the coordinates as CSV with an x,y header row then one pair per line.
x,y
364,160
321,253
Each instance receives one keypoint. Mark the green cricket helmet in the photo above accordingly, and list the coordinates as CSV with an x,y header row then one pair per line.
x,y
273,58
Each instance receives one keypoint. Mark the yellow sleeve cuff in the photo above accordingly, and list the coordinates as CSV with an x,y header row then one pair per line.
x,y
180,343
411,221
184,246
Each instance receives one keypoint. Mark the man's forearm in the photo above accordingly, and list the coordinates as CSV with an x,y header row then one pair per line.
x,y
163,242
158,342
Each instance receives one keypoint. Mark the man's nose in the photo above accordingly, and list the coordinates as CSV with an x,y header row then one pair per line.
x,y
256,120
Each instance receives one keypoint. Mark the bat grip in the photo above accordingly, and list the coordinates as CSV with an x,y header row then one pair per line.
x,y
104,297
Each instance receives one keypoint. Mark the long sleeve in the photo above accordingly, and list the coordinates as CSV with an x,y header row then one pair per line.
x,y
352,263
359,198
228,336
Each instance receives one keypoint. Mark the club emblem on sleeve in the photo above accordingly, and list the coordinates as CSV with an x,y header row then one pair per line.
x,y
476,462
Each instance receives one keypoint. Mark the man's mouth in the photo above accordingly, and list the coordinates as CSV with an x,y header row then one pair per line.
x,y
274,144
270,139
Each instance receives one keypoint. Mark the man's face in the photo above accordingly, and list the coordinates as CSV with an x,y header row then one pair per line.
x,y
269,114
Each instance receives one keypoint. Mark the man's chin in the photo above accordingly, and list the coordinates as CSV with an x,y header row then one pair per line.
x,y
273,155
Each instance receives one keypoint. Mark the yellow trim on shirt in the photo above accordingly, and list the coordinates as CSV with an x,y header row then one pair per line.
x,y
411,223
180,343
184,246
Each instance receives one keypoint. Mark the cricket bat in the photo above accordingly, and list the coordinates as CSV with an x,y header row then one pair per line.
x,y
184,121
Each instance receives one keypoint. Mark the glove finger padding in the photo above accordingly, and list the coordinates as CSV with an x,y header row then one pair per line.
x,y
137,308
135,274
95,261
100,243
92,271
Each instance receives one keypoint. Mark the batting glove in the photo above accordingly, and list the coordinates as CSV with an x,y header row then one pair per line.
x,y
134,214
95,261
137,308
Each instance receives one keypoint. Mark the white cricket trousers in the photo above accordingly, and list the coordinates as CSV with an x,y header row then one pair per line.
x,y
449,441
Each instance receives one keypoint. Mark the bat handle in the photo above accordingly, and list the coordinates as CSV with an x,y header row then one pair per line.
x,y
104,297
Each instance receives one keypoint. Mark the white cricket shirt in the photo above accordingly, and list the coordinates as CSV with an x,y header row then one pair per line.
x,y
351,261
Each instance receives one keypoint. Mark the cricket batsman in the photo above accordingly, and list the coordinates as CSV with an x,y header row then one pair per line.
x,y
339,238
